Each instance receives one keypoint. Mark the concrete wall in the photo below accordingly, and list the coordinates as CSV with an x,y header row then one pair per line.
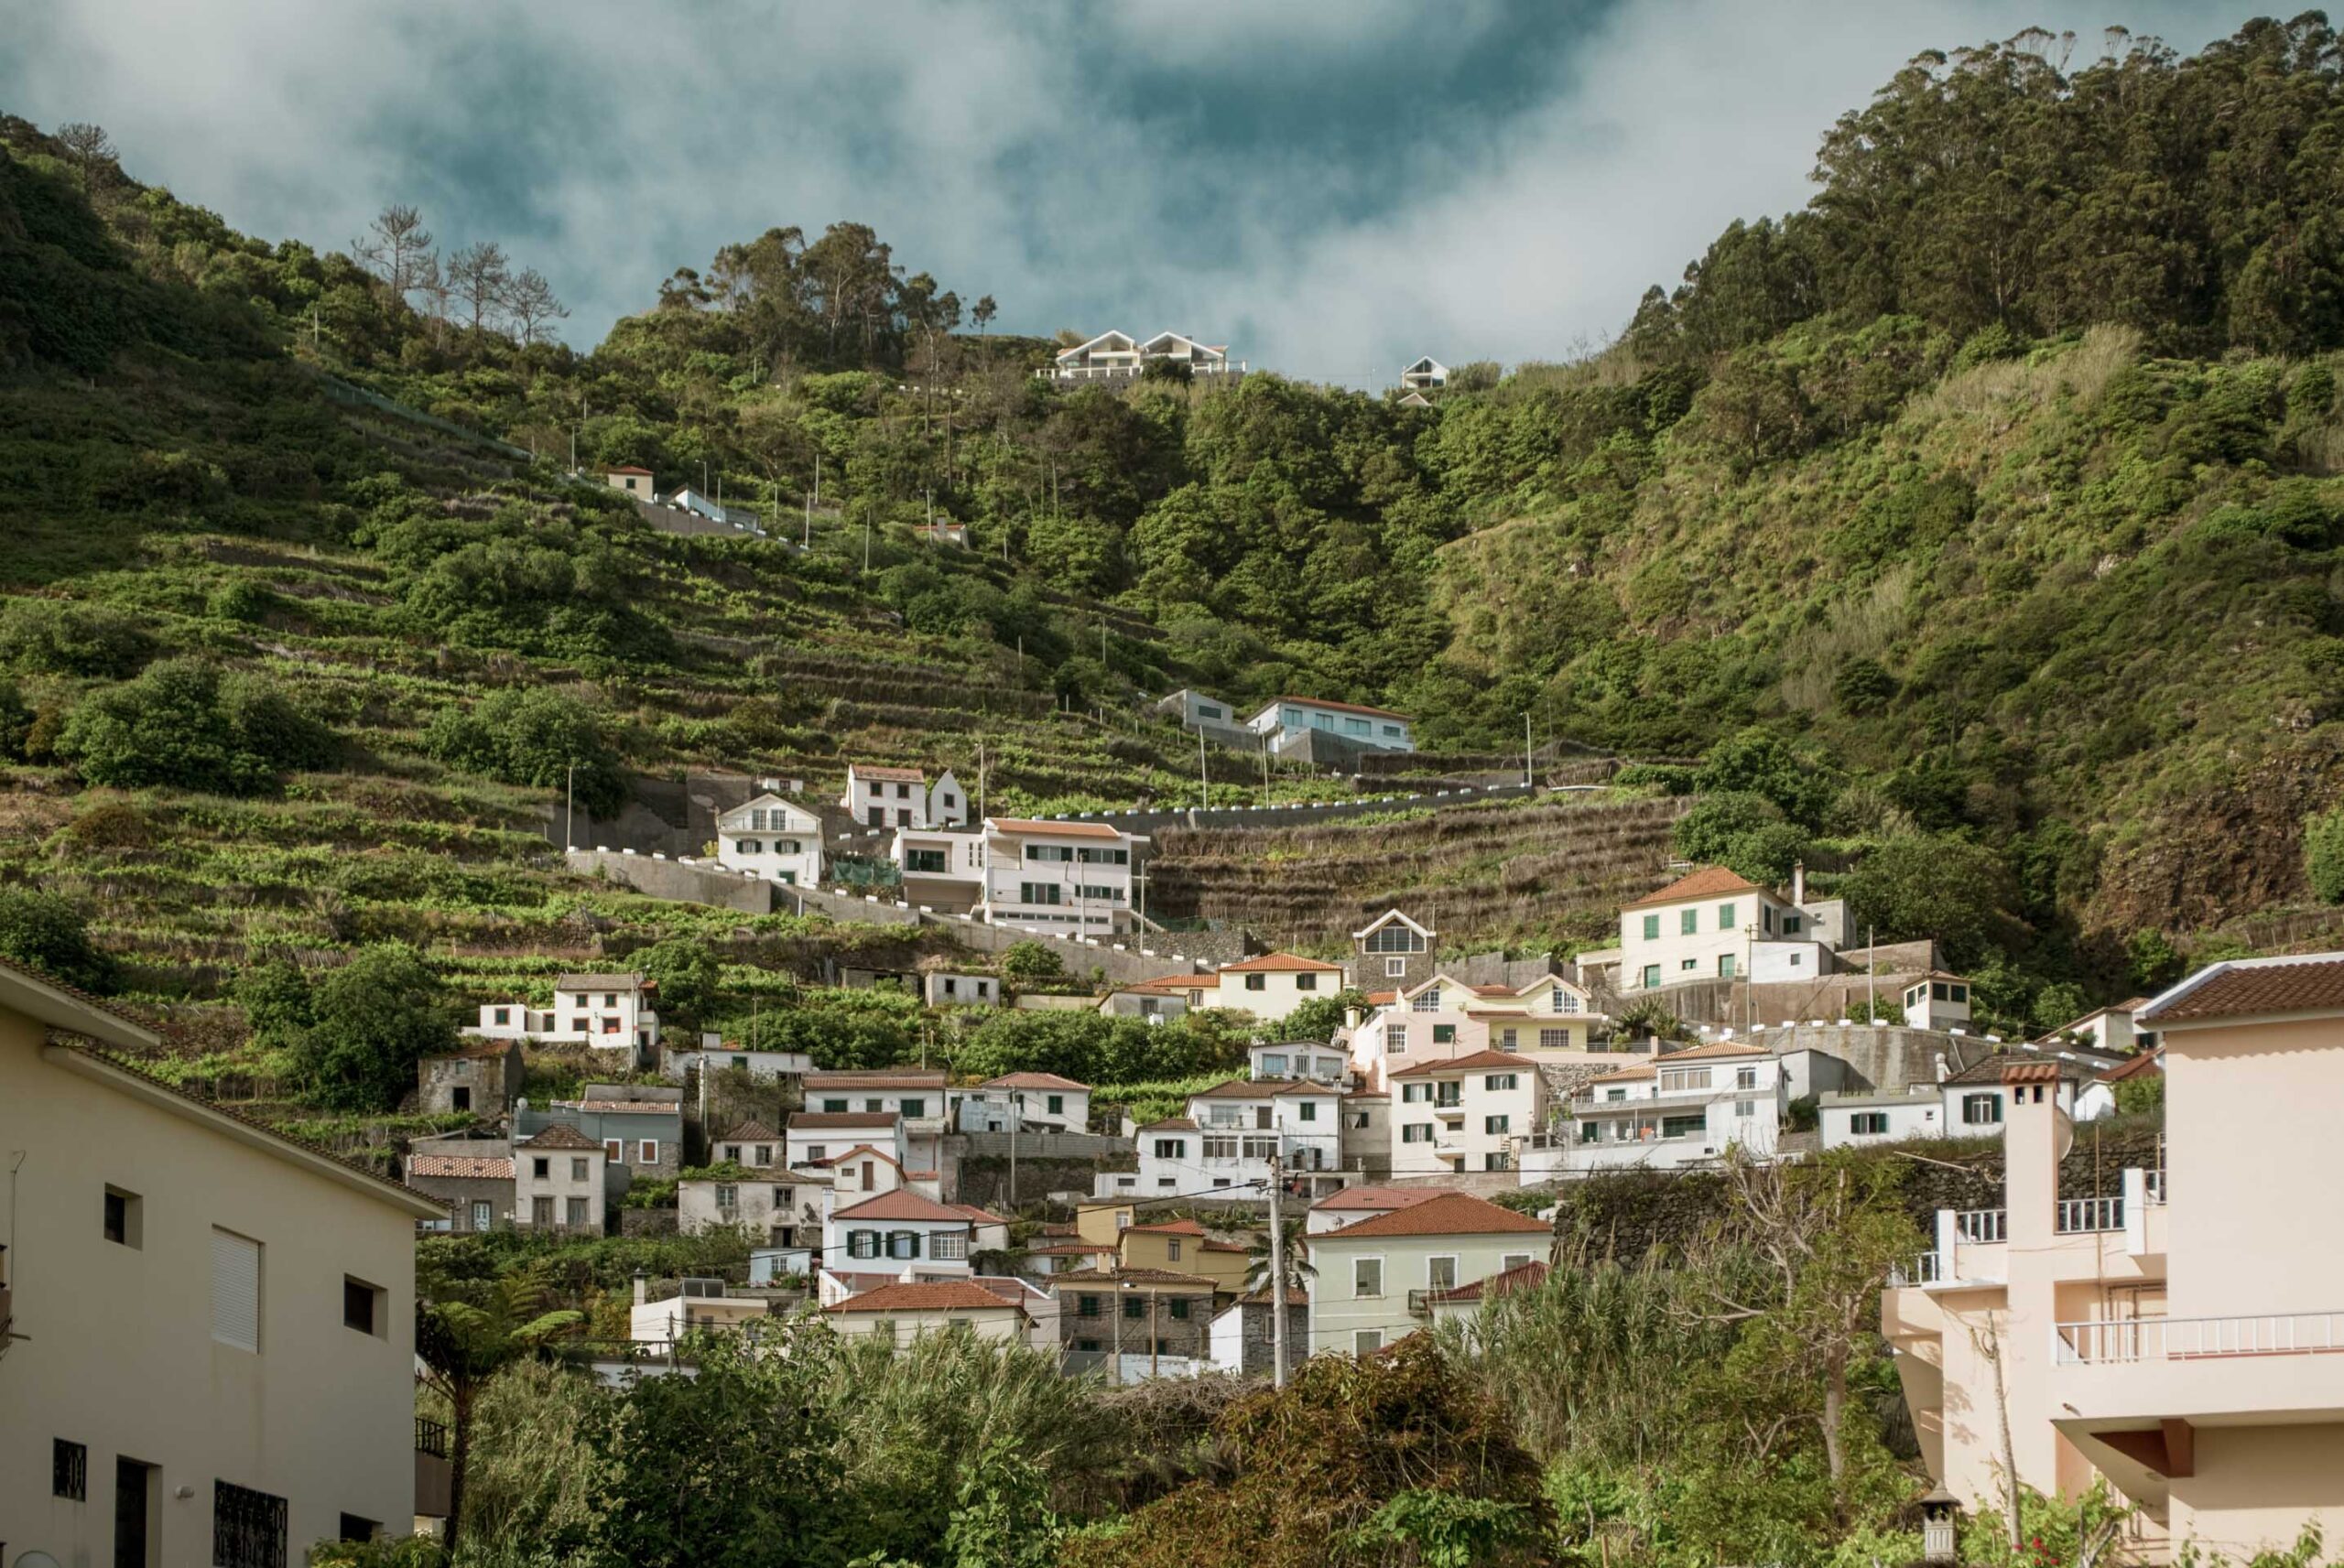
x,y
674,880
1295,816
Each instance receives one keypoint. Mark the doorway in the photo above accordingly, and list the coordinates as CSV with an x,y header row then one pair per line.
x,y
138,1489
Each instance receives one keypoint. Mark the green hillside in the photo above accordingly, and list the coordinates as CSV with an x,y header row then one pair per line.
x,y
1981,523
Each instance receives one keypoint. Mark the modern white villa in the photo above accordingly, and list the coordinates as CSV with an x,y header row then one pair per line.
x,y
1118,356
1290,717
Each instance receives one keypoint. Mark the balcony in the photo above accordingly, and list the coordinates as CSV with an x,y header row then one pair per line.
x,y
1981,1227
2085,1217
2112,1376
434,1475
2104,1341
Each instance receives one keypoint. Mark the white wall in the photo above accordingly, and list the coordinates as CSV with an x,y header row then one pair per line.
x,y
1716,944
1916,1116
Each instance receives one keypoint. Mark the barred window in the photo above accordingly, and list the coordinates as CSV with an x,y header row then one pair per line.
x,y
247,1528
69,1471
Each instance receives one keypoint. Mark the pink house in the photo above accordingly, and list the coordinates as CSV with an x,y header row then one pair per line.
x,y
2180,1332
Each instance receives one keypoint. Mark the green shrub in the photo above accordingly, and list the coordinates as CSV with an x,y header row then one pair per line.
x,y
534,736
179,724
45,931
372,1020
52,637
1031,961
15,723
240,599
2324,855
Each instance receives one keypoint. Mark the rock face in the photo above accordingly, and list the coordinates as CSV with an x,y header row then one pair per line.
x,y
2235,850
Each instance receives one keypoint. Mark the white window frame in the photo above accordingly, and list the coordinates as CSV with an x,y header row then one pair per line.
x,y
1376,1258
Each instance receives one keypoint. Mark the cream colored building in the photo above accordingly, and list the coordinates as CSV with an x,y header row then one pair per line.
x,y
1373,1278
900,1313
1548,1019
2181,1332
207,1324
1469,1114
1273,985
1714,924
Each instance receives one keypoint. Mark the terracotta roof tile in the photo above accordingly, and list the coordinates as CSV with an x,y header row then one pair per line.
x,y
1168,1227
2252,988
1378,1198
901,1203
893,775
1279,963
1709,881
1479,1061
1025,828
561,1135
1169,1277
931,1295
2146,1063
750,1132
1034,1081
1522,1277
460,1167
617,980
909,1078
1450,1214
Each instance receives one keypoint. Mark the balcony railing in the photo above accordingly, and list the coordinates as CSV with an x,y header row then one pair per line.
x,y
1983,1226
1926,1269
431,1437
2103,1341
2082,1217
2155,1183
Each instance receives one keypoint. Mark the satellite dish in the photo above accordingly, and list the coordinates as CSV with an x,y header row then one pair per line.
x,y
35,1560
2063,1133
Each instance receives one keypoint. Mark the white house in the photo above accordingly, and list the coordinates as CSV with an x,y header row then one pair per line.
x,y
698,1306
635,481
615,1012
1687,1108
1373,1278
1273,985
2108,1029
1546,1019
1297,1059
915,1096
1058,878
1168,996
899,1313
811,1137
692,501
714,1055
1467,1114
1938,1001
1118,356
948,802
1025,1102
942,988
772,838
558,1181
1229,1136
1976,1100
1427,374
942,868
1199,709
1877,1116
898,1228
886,797
776,1213
209,1326
1713,923
1289,718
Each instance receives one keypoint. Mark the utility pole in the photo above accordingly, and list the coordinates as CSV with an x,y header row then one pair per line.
x,y
570,809
1872,974
1152,1342
1013,1151
1265,770
981,783
1277,1279
1204,779
1525,748
807,543
818,478
866,541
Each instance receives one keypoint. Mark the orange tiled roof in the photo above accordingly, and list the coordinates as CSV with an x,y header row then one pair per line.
x,y
927,1295
1709,881
1278,963
1477,1062
2253,988
1450,1214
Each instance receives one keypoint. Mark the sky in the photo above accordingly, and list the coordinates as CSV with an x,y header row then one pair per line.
x,y
1330,188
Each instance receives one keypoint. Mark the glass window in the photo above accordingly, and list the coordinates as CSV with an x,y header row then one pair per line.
x,y
1444,1035
1367,1341
1688,921
1395,1037
1257,982
1499,1083
1554,1040
1652,927
1367,1278
1725,917
1981,1109
1306,982
1493,1125
1866,1123
1652,976
1682,1126
1416,1132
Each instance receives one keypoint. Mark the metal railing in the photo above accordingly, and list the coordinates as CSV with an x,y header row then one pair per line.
x,y
2103,1341
2153,1181
2079,1216
1983,1226
431,1437
1926,1269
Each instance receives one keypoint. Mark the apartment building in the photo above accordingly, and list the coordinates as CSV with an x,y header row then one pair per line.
x,y
1375,1277
1229,1136
1686,1107
1058,878
1472,1113
214,1324
1713,923
2177,1330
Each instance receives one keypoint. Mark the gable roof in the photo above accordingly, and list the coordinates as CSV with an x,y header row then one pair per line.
x,y
893,775
460,1167
1263,1088
1278,963
1169,1277
749,1132
1067,354
982,1216
1170,1124
903,1203
616,980
1165,984
50,1000
909,1078
1027,827
1370,1197
2147,1062
839,1120
1521,1277
1996,1068
2252,988
1450,1214
1032,1081
1709,881
1714,1049
561,1135
1167,1227
1386,918
830,1161
927,1295
1479,1061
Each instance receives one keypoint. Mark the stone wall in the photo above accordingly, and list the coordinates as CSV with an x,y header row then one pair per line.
x,y
674,880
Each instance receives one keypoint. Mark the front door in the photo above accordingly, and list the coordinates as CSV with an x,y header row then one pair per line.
x,y
131,1502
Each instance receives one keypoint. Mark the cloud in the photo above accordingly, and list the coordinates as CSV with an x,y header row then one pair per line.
x,y
1330,188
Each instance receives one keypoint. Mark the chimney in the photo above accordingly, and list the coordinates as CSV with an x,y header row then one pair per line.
x,y
1798,884
642,1287
2036,1136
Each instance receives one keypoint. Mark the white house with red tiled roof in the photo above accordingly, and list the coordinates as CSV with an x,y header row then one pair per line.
x,y
1273,985
1372,1280
1058,878
1288,718
1225,1142
1024,1102
1355,1204
899,1314
1547,1019
635,481
900,1229
1713,923
774,839
1468,1113
1166,996
1685,1107
879,796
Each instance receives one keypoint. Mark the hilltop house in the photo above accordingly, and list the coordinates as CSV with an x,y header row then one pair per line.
x,y
1025,1102
940,989
635,481
482,1078
615,1012
1118,356
899,1227
772,838
886,797
1273,985
638,1127
1393,950
1713,923
1427,374
214,1321
1227,1137
1058,878
2172,1329
1202,711
1469,1113
1288,718
1373,1278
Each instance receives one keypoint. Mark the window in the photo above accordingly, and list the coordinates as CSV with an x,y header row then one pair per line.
x,y
1179,1307
728,1196
1682,1126
1086,1306
1726,966
1652,976
1171,1148
751,847
1367,1279
903,792
1358,727
1207,710
1677,1080
1391,731
1440,1273
1396,1038
236,1289
484,1213
1982,1110
365,1307
833,1107
574,1213
862,1244
1652,927
247,1528
646,1153
876,790
929,860
764,1155
1257,982
1745,1077
1725,917
1426,999
613,1149
1055,1104
69,1471
1499,1083
124,1215
1768,911
1688,921
1274,1066
1868,1123
1444,1035
541,1212
1415,1094
1395,968
883,1330
1366,1341
1048,852
1306,1111
1416,1132
1306,982
1562,999
1172,1248
1554,1040
1493,1125
503,1016
461,1098
913,1109
1134,1307
1743,1109
1101,894
1507,1040
1221,1149
1086,1347
1258,1148
578,1168
1038,893
1791,924
1687,965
